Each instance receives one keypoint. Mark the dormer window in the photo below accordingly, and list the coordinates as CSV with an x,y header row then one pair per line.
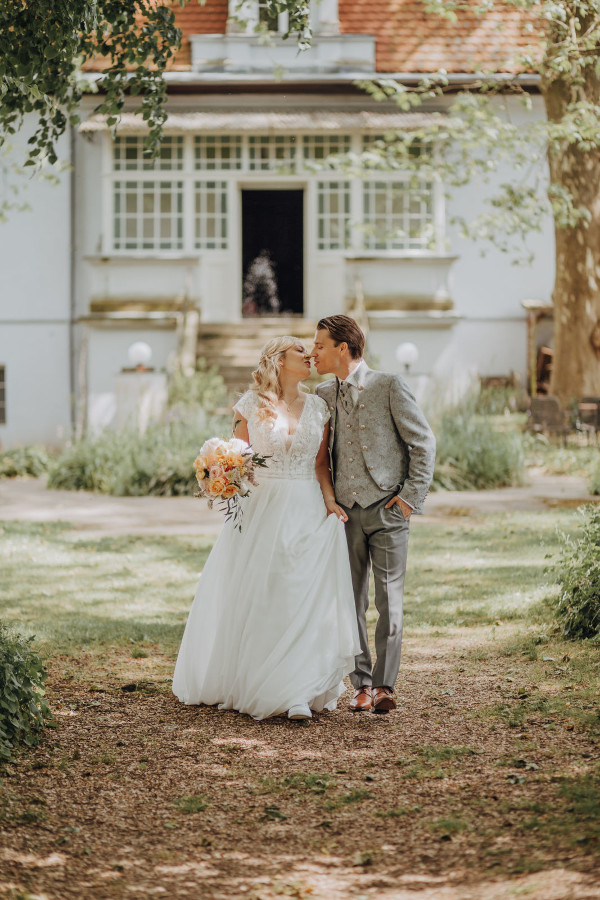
x,y
271,20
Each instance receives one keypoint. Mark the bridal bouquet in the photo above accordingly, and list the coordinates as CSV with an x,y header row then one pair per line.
x,y
225,471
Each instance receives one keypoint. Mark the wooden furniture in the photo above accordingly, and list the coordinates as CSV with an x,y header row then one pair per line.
x,y
588,416
547,417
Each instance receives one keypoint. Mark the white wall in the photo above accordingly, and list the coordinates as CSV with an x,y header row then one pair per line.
x,y
34,310
107,355
488,290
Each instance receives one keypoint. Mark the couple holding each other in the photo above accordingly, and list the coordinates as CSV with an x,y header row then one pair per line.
x,y
279,616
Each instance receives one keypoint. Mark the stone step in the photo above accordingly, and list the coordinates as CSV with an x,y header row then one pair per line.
x,y
234,348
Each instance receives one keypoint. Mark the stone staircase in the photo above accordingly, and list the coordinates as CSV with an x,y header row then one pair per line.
x,y
234,347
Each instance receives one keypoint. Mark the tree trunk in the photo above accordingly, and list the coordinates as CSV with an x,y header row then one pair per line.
x,y
576,295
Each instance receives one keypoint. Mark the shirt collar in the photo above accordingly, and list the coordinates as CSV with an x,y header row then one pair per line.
x,y
355,376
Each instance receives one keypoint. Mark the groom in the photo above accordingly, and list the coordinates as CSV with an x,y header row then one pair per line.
x,y
382,453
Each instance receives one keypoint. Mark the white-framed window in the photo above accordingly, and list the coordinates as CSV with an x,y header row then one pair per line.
x,y
217,151
210,215
128,154
333,215
274,153
183,201
398,214
269,19
2,395
148,214
318,147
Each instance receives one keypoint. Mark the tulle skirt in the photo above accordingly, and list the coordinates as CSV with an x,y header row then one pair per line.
x,y
273,622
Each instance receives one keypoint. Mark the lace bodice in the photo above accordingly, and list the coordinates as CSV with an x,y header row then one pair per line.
x,y
298,461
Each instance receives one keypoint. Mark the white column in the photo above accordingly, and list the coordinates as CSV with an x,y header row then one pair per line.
x,y
243,16
325,17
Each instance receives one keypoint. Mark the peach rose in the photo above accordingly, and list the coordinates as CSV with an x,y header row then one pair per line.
x,y
209,450
231,490
216,486
200,466
233,460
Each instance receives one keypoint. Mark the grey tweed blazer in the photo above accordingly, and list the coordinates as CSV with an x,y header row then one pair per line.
x,y
401,446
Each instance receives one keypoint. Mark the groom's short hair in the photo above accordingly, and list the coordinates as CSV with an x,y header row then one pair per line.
x,y
344,329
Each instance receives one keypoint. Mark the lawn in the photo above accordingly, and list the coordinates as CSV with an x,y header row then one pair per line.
x,y
485,784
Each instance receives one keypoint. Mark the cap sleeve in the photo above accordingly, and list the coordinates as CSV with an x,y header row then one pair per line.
x,y
246,404
322,409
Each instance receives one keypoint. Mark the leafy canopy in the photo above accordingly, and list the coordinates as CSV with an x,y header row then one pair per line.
x,y
47,45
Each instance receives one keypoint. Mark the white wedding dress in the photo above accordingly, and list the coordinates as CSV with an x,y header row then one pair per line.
x,y
273,623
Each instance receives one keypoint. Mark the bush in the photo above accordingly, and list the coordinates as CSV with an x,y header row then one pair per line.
x,y
23,708
204,389
578,574
595,479
126,464
472,454
24,461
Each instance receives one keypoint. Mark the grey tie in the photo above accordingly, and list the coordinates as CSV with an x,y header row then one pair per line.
x,y
346,397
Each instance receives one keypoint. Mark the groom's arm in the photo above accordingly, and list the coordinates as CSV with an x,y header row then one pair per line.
x,y
413,428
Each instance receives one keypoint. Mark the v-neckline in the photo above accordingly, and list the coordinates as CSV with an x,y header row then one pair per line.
x,y
288,450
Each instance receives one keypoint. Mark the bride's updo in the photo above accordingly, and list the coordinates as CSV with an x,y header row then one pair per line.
x,y
266,375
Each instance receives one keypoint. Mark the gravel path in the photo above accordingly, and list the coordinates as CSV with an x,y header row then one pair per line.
x,y
26,499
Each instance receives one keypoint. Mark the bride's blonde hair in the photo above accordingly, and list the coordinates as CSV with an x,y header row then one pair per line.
x,y
266,375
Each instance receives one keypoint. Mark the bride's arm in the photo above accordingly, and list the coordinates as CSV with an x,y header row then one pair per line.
x,y
323,474
240,427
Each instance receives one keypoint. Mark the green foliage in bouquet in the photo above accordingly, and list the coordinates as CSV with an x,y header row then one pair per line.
x,y
127,464
577,607
24,461
23,708
472,454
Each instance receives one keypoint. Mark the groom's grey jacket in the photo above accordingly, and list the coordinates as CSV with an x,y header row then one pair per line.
x,y
400,446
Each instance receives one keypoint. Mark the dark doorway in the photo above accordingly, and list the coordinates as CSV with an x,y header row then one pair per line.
x,y
274,221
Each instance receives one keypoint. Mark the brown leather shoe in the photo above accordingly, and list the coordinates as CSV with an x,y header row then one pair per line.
x,y
383,700
361,702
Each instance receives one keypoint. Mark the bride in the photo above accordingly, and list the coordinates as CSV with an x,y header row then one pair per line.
x,y
272,629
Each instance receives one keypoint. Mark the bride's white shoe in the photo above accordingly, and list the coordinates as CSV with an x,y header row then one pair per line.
x,y
300,711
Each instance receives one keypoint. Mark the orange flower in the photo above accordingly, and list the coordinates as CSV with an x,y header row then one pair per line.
x,y
216,486
231,490
233,460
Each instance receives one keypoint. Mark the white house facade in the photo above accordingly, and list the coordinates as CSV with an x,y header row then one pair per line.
x,y
127,249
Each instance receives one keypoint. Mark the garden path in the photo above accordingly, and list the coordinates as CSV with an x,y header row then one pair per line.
x,y
26,499
485,785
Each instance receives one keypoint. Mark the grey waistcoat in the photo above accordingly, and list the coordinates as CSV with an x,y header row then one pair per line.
x,y
353,481
400,453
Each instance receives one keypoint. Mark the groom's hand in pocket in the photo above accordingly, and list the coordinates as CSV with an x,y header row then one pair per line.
x,y
404,507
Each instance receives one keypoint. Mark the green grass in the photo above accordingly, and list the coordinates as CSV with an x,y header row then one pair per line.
x,y
192,804
74,593
486,569
135,592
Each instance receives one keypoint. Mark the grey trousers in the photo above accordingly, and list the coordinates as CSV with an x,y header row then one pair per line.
x,y
378,538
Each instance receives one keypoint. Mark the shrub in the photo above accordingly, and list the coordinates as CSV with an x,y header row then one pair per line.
x,y
595,479
472,454
125,463
205,389
23,708
578,574
23,461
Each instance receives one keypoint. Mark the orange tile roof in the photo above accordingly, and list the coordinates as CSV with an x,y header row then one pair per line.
x,y
195,18
408,38
411,40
